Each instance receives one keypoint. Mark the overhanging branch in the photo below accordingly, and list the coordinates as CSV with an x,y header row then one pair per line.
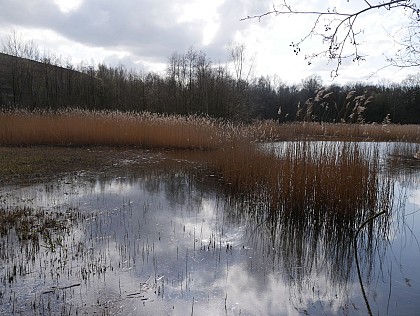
x,y
339,30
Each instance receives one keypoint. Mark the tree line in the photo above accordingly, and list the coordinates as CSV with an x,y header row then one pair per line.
x,y
193,84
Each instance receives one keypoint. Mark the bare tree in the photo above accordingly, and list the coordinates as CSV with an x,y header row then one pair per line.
x,y
407,39
340,34
243,64
16,46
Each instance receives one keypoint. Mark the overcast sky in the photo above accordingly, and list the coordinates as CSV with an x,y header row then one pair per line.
x,y
143,34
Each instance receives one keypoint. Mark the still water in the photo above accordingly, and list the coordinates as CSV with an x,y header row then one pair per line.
x,y
174,243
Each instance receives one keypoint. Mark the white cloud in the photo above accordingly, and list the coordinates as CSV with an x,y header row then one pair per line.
x,y
67,6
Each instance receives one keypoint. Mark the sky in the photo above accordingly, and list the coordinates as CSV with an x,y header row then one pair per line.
x,y
143,34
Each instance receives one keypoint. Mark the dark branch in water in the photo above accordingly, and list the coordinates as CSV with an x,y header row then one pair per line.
x,y
54,288
357,259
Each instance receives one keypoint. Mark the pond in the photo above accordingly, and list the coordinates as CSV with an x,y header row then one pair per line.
x,y
173,241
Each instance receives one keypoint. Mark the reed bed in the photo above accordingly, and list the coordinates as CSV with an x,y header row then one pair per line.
x,y
83,128
306,200
272,131
299,178
304,178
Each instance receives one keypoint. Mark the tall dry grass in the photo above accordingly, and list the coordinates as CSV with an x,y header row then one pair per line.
x,y
306,179
300,178
83,128
272,131
305,201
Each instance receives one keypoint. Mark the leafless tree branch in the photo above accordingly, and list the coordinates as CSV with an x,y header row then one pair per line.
x,y
340,32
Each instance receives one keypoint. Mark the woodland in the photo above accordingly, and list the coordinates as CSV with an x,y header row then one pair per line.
x,y
193,85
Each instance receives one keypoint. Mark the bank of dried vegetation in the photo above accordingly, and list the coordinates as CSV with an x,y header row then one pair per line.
x,y
302,177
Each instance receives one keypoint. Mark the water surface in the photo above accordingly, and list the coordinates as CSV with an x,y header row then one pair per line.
x,y
174,243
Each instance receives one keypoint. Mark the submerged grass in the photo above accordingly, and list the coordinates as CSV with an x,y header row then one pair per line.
x,y
29,224
25,164
23,231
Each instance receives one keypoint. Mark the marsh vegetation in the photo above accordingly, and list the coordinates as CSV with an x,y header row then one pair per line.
x,y
179,215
